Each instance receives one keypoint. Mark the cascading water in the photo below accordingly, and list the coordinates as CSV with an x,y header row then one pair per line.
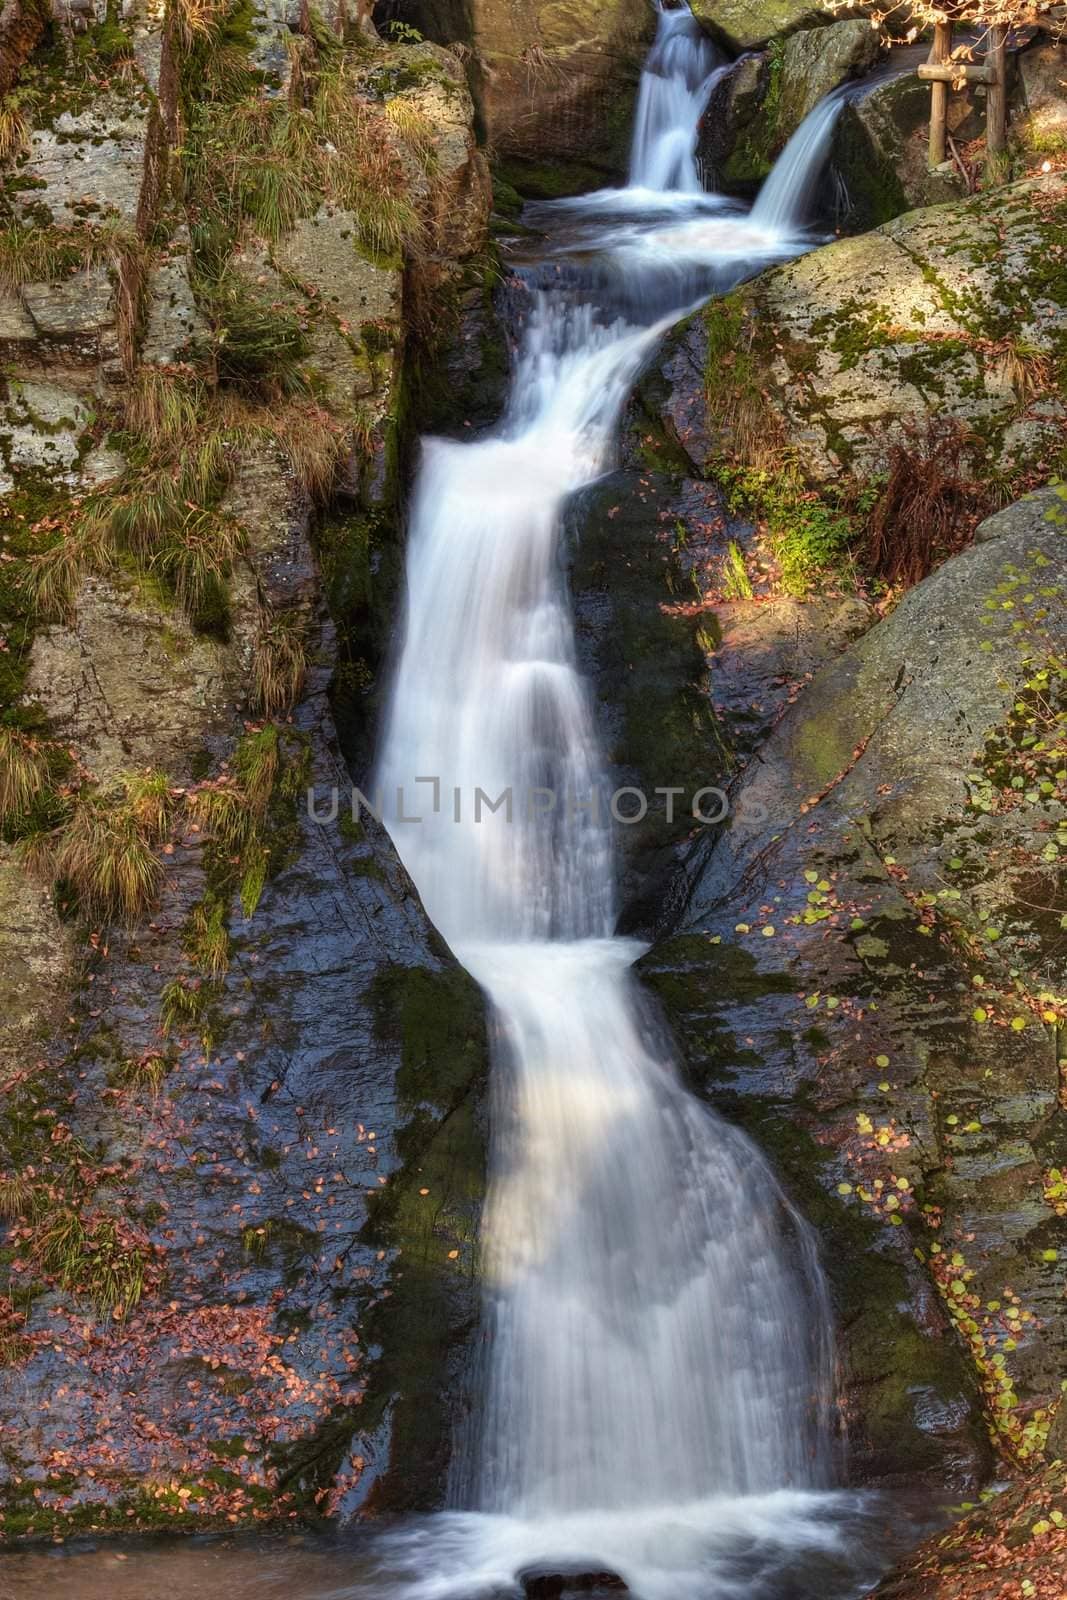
x,y
681,68
784,201
656,1393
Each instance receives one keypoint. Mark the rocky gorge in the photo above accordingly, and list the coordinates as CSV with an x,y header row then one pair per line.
x,y
248,256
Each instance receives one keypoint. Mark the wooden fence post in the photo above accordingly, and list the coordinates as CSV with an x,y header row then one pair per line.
x,y
996,115
942,49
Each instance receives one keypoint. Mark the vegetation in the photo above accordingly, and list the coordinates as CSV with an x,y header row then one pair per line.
x,y
107,853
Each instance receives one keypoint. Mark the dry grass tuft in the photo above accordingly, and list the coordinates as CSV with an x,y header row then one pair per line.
x,y
928,507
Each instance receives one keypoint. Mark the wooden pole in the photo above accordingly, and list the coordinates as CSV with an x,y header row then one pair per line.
x,y
942,49
996,115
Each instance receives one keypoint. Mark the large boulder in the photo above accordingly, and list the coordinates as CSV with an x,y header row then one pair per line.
x,y
880,150
958,311
861,975
817,60
756,106
745,24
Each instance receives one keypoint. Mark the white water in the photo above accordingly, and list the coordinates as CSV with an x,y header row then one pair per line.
x,y
784,202
657,1385
679,73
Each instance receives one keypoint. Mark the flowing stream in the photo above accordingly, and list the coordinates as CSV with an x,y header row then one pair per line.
x,y
656,1398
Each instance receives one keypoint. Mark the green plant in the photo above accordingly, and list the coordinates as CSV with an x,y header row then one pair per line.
x,y
809,533
736,583
106,852
182,1005
95,1256
207,940
147,1073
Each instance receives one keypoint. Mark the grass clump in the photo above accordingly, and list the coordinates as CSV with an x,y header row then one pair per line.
x,y
268,163
279,663
106,854
248,813
736,583
207,938
93,1255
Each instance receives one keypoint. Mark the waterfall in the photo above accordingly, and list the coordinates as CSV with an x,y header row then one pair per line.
x,y
655,1394
784,202
677,79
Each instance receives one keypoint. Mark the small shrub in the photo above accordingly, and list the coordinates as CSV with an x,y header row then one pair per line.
x,y
146,1074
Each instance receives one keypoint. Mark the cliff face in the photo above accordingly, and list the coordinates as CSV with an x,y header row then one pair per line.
x,y
240,1200
555,82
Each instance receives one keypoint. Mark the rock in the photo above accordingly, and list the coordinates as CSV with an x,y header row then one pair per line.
x,y
736,142
745,24
81,307
35,954
896,866
554,78
173,320
89,165
451,185
43,427
323,252
855,344
132,688
880,150
816,60
1021,515
1043,79
575,1578
993,1551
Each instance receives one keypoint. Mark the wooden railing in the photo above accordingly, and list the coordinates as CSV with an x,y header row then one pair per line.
x,y
940,72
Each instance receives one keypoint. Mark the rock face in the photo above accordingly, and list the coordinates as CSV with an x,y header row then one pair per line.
x,y
880,151
959,310
860,975
554,80
241,1139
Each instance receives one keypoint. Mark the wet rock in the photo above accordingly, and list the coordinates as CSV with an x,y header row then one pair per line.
x,y
556,1582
